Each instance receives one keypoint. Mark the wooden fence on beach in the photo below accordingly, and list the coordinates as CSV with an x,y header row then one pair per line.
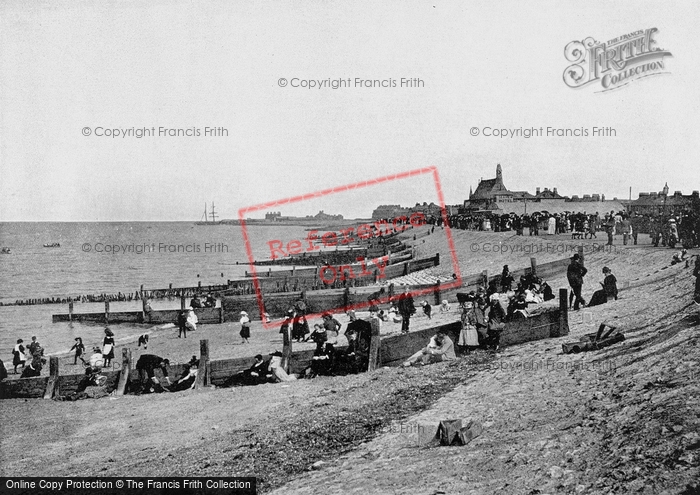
x,y
393,350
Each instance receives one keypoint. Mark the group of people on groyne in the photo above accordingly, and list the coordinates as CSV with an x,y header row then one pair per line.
x,y
31,360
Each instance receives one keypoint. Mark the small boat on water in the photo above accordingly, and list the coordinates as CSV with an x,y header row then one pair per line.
x,y
52,245
6,250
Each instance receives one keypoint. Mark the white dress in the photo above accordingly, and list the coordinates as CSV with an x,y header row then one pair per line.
x,y
552,227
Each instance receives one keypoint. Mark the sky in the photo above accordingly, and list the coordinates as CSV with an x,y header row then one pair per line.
x,y
72,71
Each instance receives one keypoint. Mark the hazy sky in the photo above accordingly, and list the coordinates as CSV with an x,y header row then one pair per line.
x,y
66,66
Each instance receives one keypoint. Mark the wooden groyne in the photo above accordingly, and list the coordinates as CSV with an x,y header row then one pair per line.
x,y
317,300
392,351
153,317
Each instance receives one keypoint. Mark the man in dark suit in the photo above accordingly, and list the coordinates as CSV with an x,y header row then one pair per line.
x,y
575,273
406,309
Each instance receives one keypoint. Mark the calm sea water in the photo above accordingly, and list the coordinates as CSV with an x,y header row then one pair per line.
x,y
108,258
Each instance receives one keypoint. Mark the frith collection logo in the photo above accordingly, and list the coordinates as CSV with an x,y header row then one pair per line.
x,y
614,63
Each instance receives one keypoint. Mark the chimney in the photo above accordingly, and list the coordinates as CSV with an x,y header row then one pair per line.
x,y
555,190
537,192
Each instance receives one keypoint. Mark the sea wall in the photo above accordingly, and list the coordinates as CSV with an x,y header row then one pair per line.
x,y
392,352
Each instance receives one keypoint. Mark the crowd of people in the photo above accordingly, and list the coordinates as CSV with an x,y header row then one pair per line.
x,y
668,230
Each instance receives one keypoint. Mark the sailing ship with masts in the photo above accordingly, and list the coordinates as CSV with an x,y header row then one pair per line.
x,y
209,218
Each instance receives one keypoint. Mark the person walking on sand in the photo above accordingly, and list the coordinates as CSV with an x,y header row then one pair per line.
x,y
18,357
182,323
108,347
79,350
575,273
245,327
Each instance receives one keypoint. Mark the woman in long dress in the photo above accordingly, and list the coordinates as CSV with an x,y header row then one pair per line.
x,y
18,356
552,226
108,347
468,337
245,327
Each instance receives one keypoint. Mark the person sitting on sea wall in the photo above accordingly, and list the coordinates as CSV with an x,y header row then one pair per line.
x,y
210,301
96,359
34,368
445,306
196,302
3,371
439,349
609,290
186,381
276,369
257,374
359,335
91,386
146,366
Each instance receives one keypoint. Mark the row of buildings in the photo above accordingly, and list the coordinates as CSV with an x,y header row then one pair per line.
x,y
492,196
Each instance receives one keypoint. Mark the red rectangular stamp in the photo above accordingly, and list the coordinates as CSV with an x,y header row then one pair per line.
x,y
355,254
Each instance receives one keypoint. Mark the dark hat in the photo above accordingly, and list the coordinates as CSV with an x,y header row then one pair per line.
x,y
109,332
258,356
575,257
276,353
606,269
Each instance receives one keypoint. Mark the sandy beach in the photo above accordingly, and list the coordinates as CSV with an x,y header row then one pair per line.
x,y
548,427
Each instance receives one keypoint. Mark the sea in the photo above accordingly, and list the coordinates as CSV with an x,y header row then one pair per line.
x,y
108,258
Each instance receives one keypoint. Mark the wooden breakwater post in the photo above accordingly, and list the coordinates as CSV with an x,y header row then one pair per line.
x,y
533,266
204,370
53,378
125,372
438,299
563,313
485,279
580,254
106,311
374,343
182,302
70,311
287,348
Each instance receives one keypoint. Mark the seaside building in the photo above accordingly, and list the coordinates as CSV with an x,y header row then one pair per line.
x,y
492,196
663,203
395,211
276,216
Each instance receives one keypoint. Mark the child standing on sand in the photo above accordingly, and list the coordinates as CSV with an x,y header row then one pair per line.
x,y
245,327
79,350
